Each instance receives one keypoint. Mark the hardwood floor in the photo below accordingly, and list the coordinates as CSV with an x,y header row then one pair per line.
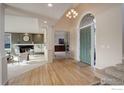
x,y
60,72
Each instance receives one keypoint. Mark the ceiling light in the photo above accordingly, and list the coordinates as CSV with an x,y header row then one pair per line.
x,y
72,10
72,13
67,15
50,5
74,16
70,17
69,12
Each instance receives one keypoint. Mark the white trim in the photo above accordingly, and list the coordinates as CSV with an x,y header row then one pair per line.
x,y
86,26
92,41
77,57
92,44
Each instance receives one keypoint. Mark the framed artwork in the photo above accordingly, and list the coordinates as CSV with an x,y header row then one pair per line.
x,y
61,41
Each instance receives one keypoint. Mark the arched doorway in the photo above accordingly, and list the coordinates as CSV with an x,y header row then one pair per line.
x,y
87,40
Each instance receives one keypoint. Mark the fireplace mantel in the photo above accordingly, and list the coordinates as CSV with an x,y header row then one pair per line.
x,y
24,44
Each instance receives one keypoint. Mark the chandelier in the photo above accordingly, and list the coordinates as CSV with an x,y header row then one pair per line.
x,y
71,14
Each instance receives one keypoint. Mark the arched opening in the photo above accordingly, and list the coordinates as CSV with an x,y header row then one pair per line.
x,y
87,49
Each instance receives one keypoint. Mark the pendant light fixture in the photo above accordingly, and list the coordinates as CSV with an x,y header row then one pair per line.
x,y
72,13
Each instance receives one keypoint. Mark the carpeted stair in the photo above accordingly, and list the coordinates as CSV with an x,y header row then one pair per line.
x,y
113,75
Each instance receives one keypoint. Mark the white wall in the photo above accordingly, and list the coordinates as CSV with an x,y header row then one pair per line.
x,y
108,33
123,28
3,63
109,38
21,24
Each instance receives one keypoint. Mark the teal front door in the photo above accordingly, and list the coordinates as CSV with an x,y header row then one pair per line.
x,y
85,45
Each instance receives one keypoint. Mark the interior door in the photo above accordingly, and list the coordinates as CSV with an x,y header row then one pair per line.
x,y
85,45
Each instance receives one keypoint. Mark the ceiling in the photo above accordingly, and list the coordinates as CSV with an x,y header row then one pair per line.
x,y
42,9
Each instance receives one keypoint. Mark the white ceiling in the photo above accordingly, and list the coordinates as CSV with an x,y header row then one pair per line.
x,y
54,12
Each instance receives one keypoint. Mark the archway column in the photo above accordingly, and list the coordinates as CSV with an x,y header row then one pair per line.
x,y
49,43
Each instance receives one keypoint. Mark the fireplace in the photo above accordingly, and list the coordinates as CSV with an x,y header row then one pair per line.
x,y
25,48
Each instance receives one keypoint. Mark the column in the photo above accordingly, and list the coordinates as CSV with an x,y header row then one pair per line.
x,y
50,34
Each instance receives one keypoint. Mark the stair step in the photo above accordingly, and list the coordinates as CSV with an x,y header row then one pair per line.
x,y
108,79
115,73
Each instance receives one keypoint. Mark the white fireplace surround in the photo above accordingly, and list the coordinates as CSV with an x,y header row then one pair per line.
x,y
38,48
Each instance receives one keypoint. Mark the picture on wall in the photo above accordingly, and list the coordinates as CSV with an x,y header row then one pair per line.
x,y
61,41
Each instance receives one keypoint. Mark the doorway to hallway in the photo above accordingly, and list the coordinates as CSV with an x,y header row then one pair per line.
x,y
61,45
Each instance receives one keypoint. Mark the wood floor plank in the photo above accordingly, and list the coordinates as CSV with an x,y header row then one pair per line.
x,y
60,72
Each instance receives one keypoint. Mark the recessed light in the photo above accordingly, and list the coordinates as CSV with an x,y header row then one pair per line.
x,y
45,22
50,5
